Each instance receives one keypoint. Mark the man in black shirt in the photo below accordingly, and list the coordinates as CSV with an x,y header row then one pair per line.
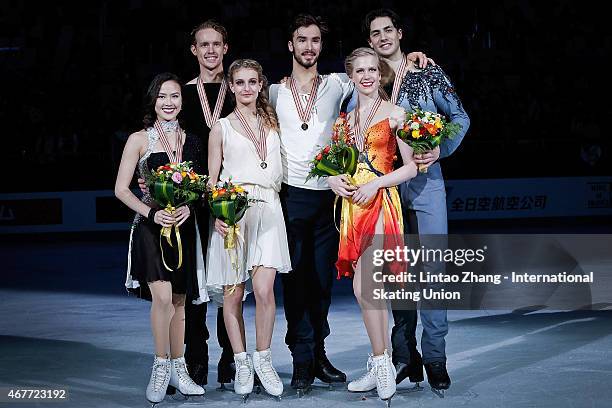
x,y
204,102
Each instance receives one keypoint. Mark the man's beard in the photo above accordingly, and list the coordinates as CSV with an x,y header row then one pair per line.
x,y
303,63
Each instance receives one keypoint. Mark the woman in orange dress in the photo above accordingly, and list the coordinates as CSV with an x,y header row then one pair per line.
x,y
371,206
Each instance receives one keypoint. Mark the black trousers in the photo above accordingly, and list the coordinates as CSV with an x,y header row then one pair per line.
x,y
403,334
196,332
313,245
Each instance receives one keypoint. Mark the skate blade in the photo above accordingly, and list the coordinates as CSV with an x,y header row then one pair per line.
x,y
184,397
387,401
301,392
178,396
439,393
338,386
245,398
223,388
363,395
417,388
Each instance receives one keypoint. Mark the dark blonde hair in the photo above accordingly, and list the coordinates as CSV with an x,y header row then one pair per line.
x,y
214,24
386,73
263,104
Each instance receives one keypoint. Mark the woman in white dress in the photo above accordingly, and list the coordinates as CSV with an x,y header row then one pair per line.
x,y
245,146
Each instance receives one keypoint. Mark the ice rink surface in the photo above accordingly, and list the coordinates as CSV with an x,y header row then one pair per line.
x,y
99,348
67,323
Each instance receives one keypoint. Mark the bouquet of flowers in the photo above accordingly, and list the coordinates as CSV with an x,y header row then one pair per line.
x,y
173,185
338,157
228,202
424,131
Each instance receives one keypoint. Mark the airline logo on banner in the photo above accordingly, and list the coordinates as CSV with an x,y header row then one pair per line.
x,y
522,198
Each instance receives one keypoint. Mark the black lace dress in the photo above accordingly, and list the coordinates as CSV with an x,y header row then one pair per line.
x,y
145,256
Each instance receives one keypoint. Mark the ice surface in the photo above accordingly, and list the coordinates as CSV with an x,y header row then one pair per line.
x,y
99,347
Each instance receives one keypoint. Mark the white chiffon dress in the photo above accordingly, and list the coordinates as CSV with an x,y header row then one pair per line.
x,y
262,236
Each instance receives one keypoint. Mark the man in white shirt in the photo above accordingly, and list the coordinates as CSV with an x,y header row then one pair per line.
x,y
308,205
307,106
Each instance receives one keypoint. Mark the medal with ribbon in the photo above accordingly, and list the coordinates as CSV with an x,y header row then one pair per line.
x,y
304,113
259,142
399,77
211,117
360,134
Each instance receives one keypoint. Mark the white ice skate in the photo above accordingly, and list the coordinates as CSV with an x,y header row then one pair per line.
x,y
385,377
244,377
160,377
262,361
366,382
180,379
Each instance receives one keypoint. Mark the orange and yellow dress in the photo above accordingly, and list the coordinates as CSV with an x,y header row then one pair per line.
x,y
358,223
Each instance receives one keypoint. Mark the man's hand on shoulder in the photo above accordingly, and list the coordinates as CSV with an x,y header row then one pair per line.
x,y
420,59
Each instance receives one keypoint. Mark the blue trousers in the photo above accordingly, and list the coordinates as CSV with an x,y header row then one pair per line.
x,y
425,201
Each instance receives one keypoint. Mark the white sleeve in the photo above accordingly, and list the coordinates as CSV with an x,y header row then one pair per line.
x,y
346,84
273,94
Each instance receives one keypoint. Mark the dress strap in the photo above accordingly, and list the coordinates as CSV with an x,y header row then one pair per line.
x,y
152,137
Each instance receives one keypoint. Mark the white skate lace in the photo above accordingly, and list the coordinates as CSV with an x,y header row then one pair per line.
x,y
243,371
270,374
368,371
382,372
181,370
159,375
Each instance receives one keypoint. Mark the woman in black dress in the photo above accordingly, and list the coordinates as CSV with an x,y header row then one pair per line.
x,y
161,141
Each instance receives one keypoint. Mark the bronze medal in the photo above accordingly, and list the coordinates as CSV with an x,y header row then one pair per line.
x,y
259,142
304,112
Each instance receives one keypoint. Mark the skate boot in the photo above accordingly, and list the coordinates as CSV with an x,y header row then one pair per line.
x,y
438,378
243,380
180,379
262,362
160,377
226,369
412,371
198,373
325,371
303,377
365,383
385,377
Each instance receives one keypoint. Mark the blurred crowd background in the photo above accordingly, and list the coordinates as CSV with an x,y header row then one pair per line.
x,y
533,76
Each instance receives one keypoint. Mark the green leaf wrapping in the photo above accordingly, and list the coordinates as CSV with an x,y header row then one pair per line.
x,y
229,211
350,156
163,192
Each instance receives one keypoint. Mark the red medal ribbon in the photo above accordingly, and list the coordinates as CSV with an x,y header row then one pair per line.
x,y
360,134
211,118
173,156
304,113
399,77
260,143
